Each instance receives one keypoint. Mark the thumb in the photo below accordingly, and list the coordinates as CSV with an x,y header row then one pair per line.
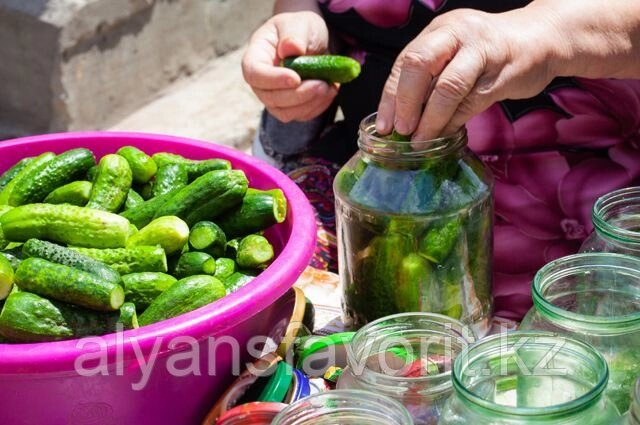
x,y
294,38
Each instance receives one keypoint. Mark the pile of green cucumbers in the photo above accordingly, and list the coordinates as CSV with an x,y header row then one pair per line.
x,y
89,248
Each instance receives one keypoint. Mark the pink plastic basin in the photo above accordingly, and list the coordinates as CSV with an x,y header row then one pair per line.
x,y
196,355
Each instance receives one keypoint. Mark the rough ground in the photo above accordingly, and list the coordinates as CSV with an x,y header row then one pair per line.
x,y
214,104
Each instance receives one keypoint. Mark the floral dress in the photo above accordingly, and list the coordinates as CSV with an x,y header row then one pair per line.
x,y
552,155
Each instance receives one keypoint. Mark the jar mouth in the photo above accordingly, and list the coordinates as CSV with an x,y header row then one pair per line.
x,y
610,211
435,333
572,288
379,146
521,355
350,406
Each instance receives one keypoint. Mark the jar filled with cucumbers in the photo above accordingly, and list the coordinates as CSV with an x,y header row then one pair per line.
x,y
92,247
414,222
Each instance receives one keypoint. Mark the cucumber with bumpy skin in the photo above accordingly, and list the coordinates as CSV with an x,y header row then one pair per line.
x,y
142,214
134,200
111,185
192,263
254,251
258,211
182,297
195,168
225,267
142,288
75,193
170,232
61,170
66,224
8,175
128,316
170,177
143,168
207,196
28,317
134,259
68,257
330,68
29,170
237,280
69,285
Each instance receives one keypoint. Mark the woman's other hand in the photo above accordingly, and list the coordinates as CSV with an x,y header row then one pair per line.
x,y
280,89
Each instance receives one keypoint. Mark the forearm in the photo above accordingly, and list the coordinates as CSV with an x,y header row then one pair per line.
x,y
596,38
282,6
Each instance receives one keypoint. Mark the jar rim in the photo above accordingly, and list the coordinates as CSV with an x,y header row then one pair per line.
x,y
482,348
353,359
606,205
551,272
379,146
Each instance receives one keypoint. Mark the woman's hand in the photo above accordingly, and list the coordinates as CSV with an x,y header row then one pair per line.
x,y
280,89
461,64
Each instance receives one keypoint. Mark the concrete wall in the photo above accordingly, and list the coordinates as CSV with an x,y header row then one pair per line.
x,y
83,64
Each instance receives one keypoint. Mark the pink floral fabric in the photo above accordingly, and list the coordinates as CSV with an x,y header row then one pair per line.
x,y
382,13
549,170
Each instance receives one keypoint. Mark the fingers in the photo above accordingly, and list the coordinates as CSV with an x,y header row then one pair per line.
x,y
259,66
450,94
297,37
421,62
481,98
409,83
306,111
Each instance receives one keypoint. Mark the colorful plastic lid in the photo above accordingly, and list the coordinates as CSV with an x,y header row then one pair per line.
x,y
255,413
300,387
278,385
317,354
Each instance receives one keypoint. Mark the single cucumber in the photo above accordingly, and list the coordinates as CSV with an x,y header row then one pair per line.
x,y
143,168
397,137
111,185
330,68
128,316
142,288
8,175
69,285
170,232
27,317
237,280
61,170
68,257
169,178
254,251
66,224
225,267
257,212
195,168
132,230
92,173
6,277
143,214
207,196
133,200
208,237
192,263
135,259
75,193
26,173
182,297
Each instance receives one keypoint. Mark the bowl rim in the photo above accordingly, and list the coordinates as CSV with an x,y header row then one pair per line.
x,y
212,319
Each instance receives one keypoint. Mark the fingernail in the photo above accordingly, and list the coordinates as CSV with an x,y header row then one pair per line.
x,y
381,125
401,127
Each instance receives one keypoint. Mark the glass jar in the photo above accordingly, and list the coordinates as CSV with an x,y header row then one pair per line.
x,y
414,224
633,415
407,357
616,223
344,407
594,297
529,378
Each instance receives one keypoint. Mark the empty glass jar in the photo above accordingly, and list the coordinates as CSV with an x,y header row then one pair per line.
x,y
407,357
414,226
344,407
616,223
633,416
596,299
529,378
